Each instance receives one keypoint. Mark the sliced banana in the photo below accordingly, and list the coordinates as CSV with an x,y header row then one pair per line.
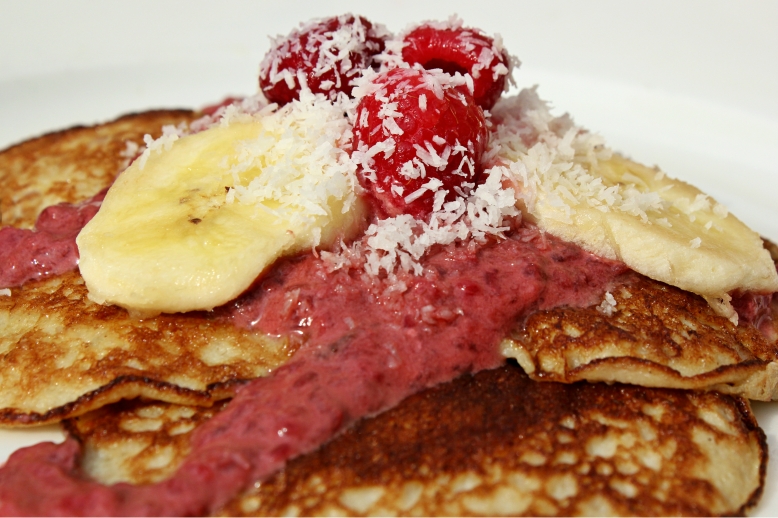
x,y
573,186
659,226
192,226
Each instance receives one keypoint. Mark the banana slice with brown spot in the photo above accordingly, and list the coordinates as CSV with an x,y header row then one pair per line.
x,y
192,223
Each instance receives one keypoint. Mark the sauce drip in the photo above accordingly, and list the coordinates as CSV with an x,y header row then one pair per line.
x,y
366,346
50,249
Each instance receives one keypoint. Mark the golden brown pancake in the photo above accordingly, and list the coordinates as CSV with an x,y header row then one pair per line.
x,y
490,444
656,336
63,355
136,441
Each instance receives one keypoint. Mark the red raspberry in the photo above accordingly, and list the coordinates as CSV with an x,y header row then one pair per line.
x,y
327,54
419,133
453,48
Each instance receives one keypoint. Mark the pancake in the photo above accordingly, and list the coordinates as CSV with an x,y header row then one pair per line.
x,y
63,355
649,334
493,443
136,441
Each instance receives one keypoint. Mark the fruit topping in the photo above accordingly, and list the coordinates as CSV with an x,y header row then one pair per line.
x,y
573,187
418,139
453,48
195,220
324,55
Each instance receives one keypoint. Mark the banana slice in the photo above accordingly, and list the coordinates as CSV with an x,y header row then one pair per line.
x,y
659,226
190,227
574,187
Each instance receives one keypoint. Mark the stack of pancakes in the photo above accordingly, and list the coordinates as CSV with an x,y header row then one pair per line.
x,y
545,434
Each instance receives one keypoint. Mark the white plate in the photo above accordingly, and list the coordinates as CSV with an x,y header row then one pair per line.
x,y
689,86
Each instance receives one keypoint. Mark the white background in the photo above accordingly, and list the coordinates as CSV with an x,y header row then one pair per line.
x,y
689,85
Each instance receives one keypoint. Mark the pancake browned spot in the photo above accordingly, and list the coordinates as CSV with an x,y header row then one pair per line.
x,y
652,335
493,443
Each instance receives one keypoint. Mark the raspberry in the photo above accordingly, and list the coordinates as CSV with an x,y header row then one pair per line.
x,y
418,138
452,49
324,54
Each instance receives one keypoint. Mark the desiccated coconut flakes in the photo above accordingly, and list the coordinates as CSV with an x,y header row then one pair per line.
x,y
608,305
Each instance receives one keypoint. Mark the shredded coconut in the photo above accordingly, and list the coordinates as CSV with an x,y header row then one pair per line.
x,y
242,109
608,305
303,166
532,158
401,241
720,210
335,51
550,160
169,135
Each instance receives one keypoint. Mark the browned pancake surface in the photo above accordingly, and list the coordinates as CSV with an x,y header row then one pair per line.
x,y
657,336
63,355
497,443
490,444
137,441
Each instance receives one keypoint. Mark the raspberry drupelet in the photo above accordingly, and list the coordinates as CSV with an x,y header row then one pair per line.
x,y
324,55
453,48
418,139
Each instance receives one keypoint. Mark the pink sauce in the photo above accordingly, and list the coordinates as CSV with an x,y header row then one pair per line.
x,y
363,352
50,249
756,309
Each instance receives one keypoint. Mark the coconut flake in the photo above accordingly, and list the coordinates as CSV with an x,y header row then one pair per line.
x,y
608,305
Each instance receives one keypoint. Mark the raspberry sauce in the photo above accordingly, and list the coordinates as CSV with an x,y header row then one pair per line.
x,y
367,344
50,249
